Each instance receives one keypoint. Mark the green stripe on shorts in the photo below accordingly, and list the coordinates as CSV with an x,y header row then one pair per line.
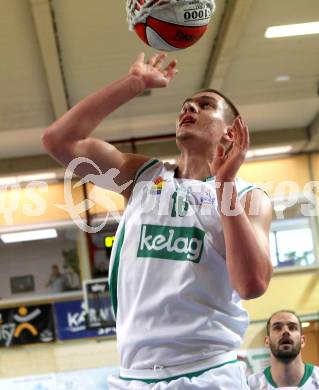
x,y
172,378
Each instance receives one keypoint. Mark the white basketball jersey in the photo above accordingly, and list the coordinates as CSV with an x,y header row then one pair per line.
x,y
264,380
169,283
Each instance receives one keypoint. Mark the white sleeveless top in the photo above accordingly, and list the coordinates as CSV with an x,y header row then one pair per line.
x,y
174,305
264,381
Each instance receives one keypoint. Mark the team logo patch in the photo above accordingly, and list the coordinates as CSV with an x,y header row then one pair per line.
x,y
206,200
171,243
158,185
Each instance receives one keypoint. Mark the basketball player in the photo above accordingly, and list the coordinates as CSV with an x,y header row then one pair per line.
x,y
287,370
187,248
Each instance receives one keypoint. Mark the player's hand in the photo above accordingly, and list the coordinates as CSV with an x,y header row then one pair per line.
x,y
225,165
153,72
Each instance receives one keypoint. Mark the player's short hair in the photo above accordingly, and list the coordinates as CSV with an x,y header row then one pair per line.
x,y
282,311
230,110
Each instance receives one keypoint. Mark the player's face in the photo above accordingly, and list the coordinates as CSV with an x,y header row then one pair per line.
x,y
202,116
285,339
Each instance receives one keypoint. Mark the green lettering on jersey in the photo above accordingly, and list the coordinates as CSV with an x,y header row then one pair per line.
x,y
171,243
180,203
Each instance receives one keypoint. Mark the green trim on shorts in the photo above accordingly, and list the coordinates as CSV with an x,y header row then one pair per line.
x,y
115,270
172,378
144,167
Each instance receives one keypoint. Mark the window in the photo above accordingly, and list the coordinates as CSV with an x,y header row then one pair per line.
x,y
40,267
293,234
102,243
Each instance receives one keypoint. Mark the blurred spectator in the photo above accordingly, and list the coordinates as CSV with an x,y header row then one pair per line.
x,y
71,279
101,270
55,281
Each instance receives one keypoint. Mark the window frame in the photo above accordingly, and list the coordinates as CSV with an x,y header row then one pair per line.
x,y
301,199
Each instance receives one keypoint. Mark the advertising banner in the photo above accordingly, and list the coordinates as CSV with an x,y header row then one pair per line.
x,y
71,321
98,303
26,325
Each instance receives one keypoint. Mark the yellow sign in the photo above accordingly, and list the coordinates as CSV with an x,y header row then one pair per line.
x,y
108,241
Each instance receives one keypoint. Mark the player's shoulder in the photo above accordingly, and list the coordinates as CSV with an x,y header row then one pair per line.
x,y
311,377
245,187
153,169
315,372
147,167
247,190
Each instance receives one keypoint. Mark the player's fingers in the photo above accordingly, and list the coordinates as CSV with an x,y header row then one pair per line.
x,y
171,65
153,59
220,151
171,69
241,136
243,133
236,131
235,123
219,156
140,57
160,60
246,138
241,120
170,73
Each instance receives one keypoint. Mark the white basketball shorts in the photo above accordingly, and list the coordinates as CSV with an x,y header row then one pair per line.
x,y
227,377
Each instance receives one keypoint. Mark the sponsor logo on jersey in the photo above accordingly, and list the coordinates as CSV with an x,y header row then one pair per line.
x,y
206,200
157,186
171,243
184,191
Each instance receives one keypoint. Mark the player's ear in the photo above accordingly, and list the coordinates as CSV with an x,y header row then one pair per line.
x,y
266,340
303,341
228,135
227,139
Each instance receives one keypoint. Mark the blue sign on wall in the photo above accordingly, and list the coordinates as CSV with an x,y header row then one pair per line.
x,y
71,321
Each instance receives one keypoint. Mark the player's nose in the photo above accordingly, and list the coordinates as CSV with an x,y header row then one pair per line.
x,y
190,107
285,332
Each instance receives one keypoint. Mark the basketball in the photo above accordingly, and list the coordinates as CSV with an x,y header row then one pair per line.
x,y
169,25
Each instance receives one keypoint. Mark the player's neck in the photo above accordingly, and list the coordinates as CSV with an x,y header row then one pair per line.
x,y
193,166
287,374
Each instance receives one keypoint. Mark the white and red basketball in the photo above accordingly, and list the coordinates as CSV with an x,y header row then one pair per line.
x,y
169,25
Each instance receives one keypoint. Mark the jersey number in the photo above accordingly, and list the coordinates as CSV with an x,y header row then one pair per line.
x,y
180,205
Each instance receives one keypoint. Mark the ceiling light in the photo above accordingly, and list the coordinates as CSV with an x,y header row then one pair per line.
x,y
282,78
291,30
305,324
9,180
29,235
37,176
269,151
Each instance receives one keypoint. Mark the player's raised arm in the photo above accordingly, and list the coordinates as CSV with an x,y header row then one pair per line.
x,y
69,136
246,233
